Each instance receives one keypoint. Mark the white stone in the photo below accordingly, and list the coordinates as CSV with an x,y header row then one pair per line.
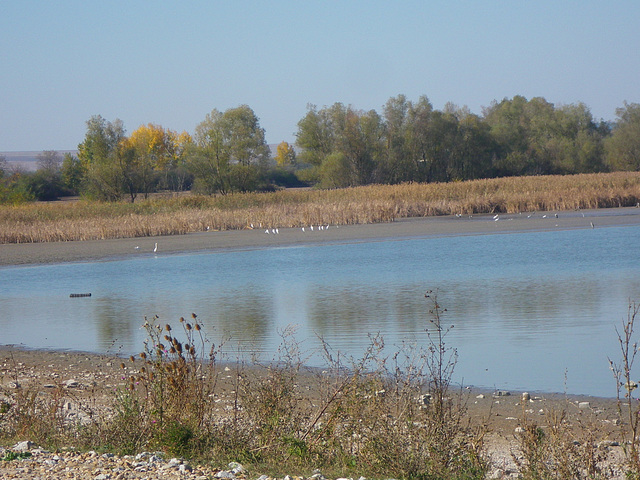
x,y
502,393
23,446
224,474
236,468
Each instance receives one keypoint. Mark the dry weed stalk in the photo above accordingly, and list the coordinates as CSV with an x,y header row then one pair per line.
x,y
27,413
628,406
558,450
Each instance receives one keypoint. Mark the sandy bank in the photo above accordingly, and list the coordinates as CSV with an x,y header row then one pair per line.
x,y
55,252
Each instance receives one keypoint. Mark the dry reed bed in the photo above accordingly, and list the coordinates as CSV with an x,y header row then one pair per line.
x,y
83,220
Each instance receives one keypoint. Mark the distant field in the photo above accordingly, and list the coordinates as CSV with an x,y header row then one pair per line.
x,y
28,160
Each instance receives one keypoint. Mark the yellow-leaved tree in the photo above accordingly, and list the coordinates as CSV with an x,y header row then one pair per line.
x,y
158,158
285,155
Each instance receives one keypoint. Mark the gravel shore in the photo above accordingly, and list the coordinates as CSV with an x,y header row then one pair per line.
x,y
92,378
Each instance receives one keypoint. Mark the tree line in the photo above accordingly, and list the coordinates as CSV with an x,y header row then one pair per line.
x,y
336,146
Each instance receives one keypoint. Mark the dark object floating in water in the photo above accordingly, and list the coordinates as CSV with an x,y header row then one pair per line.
x,y
77,295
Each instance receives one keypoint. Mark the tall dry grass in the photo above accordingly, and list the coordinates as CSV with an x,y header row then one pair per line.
x,y
84,220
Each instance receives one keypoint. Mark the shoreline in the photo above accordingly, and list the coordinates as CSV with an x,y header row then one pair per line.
x,y
211,242
90,379
406,228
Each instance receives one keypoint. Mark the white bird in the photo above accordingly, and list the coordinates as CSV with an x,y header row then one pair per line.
x,y
311,228
266,231
155,248
303,229
592,226
277,231
137,247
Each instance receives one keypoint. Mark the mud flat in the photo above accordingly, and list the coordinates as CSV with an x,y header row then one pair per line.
x,y
92,250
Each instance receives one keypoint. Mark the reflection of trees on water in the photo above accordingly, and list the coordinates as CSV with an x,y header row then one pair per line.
x,y
115,327
246,314
356,310
520,308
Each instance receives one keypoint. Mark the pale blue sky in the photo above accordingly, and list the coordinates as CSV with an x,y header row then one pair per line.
x,y
171,63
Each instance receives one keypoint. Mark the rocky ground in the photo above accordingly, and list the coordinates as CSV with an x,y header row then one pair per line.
x,y
88,378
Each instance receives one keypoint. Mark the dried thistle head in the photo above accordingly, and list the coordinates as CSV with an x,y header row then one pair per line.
x,y
194,316
167,327
197,326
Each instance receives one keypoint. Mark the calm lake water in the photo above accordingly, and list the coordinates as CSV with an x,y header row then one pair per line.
x,y
532,311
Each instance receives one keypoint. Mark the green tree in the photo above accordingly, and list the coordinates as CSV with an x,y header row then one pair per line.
x,y
397,165
99,155
73,173
315,136
419,139
209,158
509,128
358,136
535,137
475,150
244,137
623,147
230,152
4,168
362,143
46,182
176,173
